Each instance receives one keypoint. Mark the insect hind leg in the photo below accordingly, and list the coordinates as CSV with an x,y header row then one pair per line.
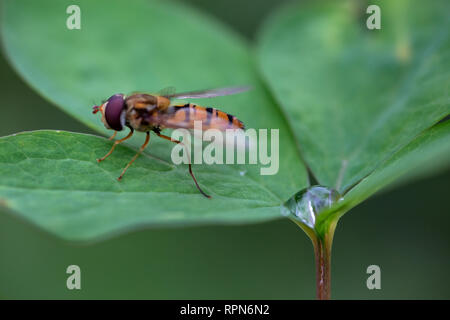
x,y
190,167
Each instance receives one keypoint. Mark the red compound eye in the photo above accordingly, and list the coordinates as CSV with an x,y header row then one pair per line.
x,y
113,110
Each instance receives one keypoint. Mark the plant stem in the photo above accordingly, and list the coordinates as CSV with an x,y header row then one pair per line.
x,y
323,275
322,252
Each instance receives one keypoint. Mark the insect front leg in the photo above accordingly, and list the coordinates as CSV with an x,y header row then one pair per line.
x,y
113,136
147,139
115,144
189,157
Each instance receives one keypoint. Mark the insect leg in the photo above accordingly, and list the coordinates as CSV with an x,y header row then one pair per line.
x,y
115,144
147,139
113,136
190,167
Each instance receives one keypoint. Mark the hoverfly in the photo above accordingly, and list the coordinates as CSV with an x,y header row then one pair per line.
x,y
148,112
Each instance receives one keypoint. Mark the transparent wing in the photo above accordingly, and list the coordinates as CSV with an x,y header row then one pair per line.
x,y
208,93
167,92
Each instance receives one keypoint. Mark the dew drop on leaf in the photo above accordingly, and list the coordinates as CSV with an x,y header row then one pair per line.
x,y
308,203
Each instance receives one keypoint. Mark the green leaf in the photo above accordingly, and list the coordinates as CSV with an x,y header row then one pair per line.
x,y
354,97
427,147
53,179
124,47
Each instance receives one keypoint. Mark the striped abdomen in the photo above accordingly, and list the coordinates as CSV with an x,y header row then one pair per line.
x,y
185,115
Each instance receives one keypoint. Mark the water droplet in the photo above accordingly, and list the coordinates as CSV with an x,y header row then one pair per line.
x,y
308,203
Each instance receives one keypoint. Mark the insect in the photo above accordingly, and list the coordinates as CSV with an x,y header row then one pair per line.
x,y
147,112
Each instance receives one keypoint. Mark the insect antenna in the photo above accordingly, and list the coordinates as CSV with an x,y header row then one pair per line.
x,y
95,109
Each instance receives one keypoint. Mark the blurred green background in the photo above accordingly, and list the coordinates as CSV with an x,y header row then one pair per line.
x,y
404,231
